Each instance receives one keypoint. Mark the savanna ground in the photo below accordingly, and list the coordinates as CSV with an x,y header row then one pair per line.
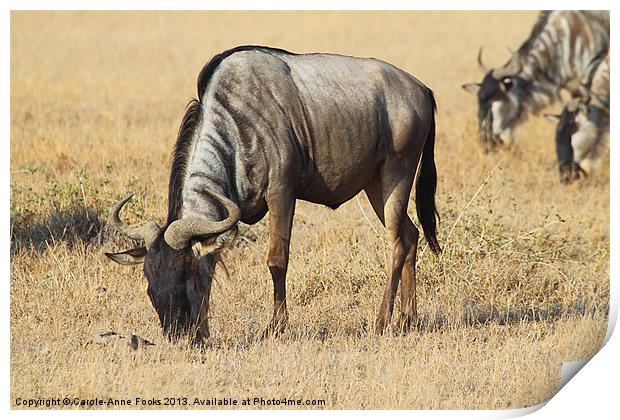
x,y
96,101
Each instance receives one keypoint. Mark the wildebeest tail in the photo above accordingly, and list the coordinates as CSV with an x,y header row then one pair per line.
x,y
427,185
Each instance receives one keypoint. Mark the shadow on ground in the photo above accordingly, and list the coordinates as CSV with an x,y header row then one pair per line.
x,y
74,225
480,315
475,316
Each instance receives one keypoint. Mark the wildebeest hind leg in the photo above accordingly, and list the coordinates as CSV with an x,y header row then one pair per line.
x,y
392,194
281,210
408,309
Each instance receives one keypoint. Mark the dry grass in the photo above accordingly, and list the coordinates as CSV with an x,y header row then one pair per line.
x,y
96,100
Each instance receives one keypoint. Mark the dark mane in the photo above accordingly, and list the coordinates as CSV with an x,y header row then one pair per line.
x,y
191,121
543,18
190,124
593,66
207,71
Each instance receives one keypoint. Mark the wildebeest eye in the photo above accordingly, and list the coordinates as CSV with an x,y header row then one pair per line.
x,y
506,84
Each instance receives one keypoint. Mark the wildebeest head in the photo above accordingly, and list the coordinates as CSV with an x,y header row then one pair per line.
x,y
500,102
179,263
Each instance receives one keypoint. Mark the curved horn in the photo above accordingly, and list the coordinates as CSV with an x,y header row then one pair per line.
x,y
510,69
147,232
181,231
482,66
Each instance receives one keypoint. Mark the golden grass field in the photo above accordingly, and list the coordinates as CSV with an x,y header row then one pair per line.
x,y
96,101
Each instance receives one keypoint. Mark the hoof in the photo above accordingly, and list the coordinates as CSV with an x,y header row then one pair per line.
x,y
406,323
274,329
380,326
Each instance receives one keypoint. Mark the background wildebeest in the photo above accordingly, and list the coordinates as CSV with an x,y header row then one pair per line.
x,y
556,55
270,127
583,125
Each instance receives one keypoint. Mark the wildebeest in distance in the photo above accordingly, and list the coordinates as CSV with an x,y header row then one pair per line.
x,y
555,56
583,126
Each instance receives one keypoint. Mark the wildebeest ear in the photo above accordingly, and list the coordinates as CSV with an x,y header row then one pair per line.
x,y
217,243
129,257
471,87
553,118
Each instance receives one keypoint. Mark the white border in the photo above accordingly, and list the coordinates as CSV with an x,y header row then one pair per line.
x,y
305,5
593,394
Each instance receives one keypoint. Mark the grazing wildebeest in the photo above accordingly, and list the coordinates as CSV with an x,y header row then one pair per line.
x,y
270,127
556,55
583,125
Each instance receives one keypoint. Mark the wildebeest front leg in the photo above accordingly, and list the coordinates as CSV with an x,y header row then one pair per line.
x,y
281,210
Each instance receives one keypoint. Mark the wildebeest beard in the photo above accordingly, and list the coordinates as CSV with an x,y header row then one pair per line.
x,y
565,129
489,92
485,129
